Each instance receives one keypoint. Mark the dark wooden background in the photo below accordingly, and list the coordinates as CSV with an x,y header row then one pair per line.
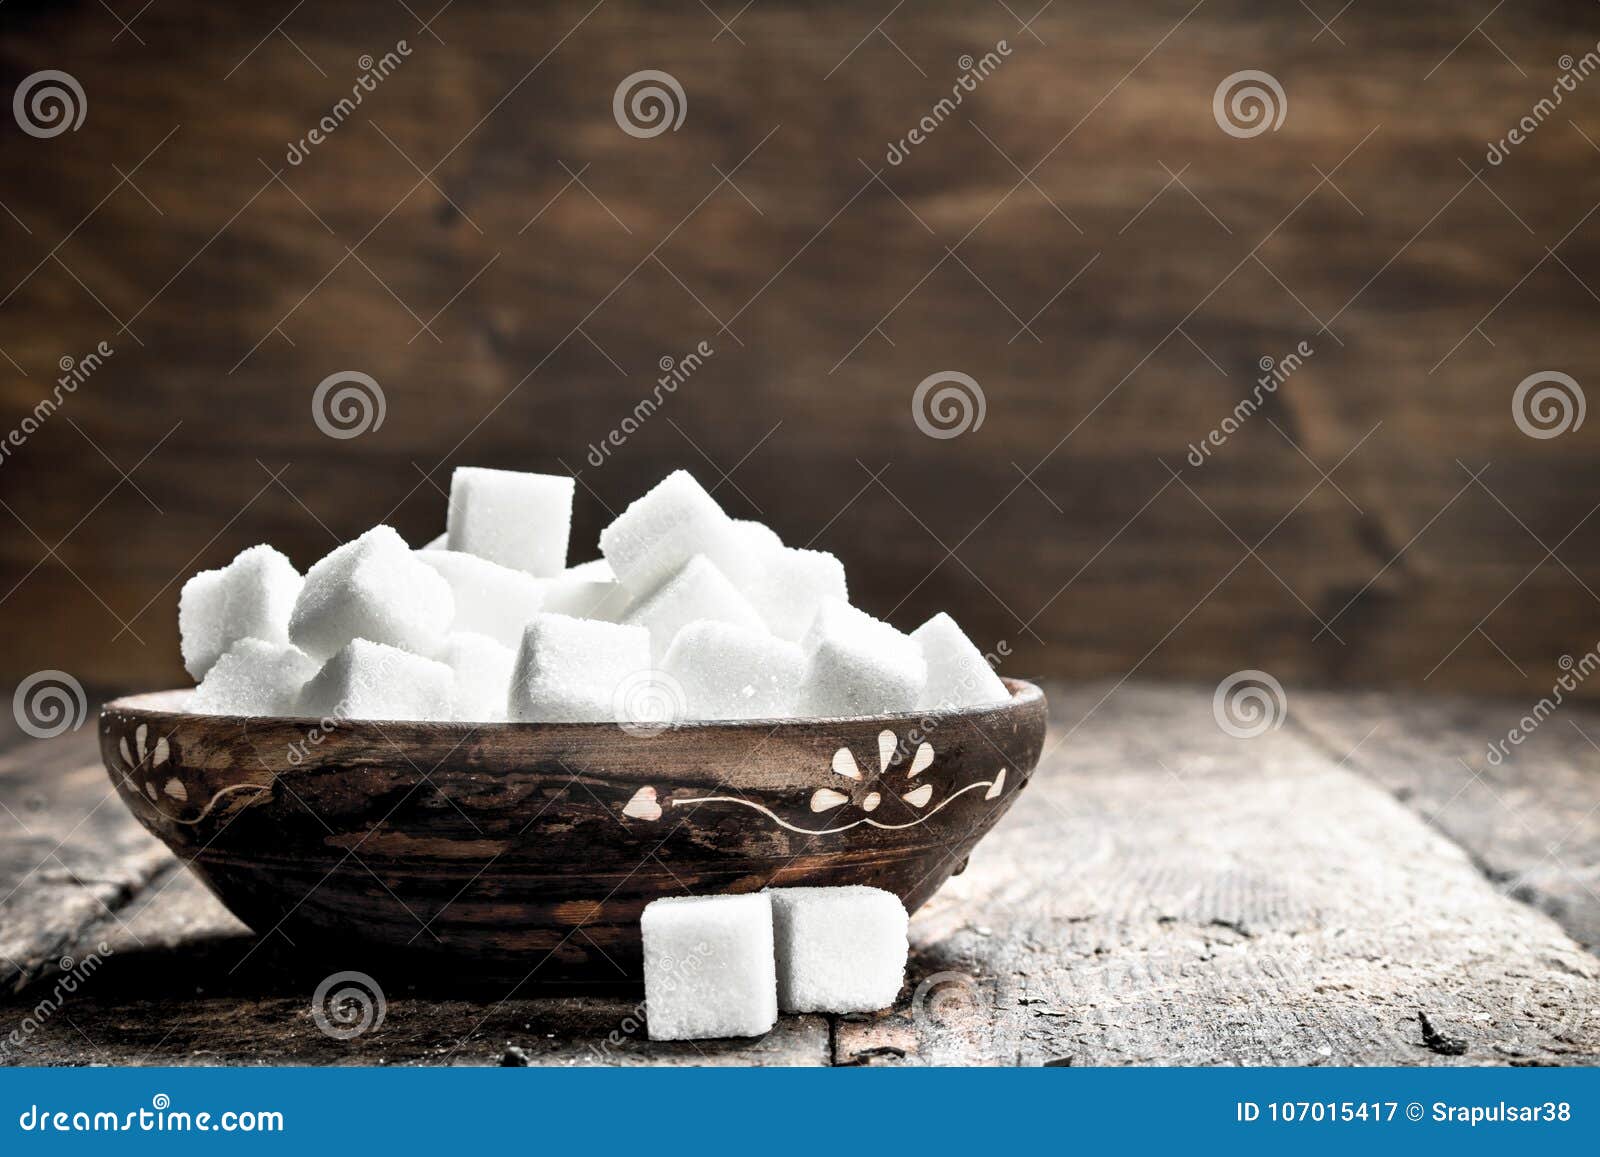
x,y
230,283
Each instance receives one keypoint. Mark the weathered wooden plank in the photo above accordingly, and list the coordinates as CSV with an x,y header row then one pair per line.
x,y
1418,268
71,861
1165,893
1524,802
1162,893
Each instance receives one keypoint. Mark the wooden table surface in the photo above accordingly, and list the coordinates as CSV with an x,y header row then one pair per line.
x,y
1163,893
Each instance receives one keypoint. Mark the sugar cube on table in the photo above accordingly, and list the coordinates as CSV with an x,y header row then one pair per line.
x,y
730,672
367,680
513,518
574,670
699,590
708,967
587,591
859,665
250,598
254,677
791,586
661,531
958,674
482,668
490,599
372,588
838,949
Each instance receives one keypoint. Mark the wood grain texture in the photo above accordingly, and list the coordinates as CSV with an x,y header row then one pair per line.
x,y
1171,895
1162,893
1528,812
1153,258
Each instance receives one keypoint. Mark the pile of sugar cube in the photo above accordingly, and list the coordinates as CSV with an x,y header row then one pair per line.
x,y
724,966
488,623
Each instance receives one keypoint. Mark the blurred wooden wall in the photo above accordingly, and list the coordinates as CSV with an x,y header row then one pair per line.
x,y
1113,309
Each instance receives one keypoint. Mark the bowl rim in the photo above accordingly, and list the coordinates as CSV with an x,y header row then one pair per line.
x,y
1024,695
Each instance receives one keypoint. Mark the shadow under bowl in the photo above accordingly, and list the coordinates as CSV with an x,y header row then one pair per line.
x,y
529,850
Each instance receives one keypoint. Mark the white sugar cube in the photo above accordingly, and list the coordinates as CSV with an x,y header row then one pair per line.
x,y
587,591
575,670
515,519
661,531
792,585
482,668
757,538
490,599
958,674
200,616
439,541
838,949
367,680
250,598
372,588
708,967
858,665
254,677
730,672
596,570
697,591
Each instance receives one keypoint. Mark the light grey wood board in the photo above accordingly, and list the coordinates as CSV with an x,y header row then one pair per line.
x,y
1162,893
1527,812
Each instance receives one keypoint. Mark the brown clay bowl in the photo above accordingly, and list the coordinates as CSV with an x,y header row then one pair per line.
x,y
529,850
